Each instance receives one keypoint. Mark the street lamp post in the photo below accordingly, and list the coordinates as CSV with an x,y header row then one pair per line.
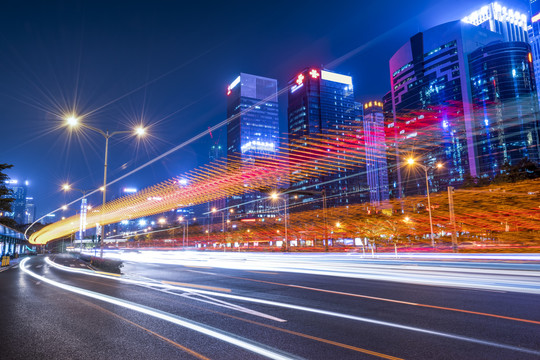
x,y
73,121
411,161
214,210
275,196
185,233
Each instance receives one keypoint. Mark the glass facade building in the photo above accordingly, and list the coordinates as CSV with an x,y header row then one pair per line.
x,y
431,111
375,148
534,39
18,206
252,129
495,17
505,106
322,102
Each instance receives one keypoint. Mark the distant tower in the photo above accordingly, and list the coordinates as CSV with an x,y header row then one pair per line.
x,y
215,153
18,207
252,130
30,211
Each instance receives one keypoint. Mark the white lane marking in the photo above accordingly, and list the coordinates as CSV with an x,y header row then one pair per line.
x,y
215,333
16,266
221,303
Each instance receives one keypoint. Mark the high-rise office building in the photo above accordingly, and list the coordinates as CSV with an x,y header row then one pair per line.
x,y
432,114
375,150
495,17
252,130
30,212
215,153
322,102
18,206
505,104
534,39
394,176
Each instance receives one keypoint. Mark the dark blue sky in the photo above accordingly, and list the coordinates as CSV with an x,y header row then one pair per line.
x,y
168,64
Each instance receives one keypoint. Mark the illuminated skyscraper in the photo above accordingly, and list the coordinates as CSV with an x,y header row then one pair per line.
x,y
253,129
495,17
534,39
30,212
322,102
504,97
432,114
18,206
375,150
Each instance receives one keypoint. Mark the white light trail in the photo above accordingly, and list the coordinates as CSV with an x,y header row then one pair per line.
x,y
350,317
177,320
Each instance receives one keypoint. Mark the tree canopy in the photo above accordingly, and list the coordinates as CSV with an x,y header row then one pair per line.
x,y
5,196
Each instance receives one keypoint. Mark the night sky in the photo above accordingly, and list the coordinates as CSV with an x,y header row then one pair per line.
x,y
167,64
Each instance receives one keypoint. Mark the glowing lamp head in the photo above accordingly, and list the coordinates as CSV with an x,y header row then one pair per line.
x,y
410,161
214,210
64,207
162,220
338,224
66,187
231,210
180,218
140,131
72,120
439,166
274,196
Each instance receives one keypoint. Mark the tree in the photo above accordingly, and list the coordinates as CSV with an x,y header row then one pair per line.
x,y
5,196
523,170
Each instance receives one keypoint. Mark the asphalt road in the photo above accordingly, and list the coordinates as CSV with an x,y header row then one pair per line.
x,y
217,307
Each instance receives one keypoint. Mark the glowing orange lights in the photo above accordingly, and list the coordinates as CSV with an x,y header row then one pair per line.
x,y
530,57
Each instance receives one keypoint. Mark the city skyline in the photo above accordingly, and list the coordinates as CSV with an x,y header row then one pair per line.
x,y
82,165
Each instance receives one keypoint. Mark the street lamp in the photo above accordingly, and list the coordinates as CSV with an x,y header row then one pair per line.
x,y
214,210
185,232
275,196
411,161
73,121
84,208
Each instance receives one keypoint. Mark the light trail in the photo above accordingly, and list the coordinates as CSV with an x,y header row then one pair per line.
x,y
349,317
523,281
177,320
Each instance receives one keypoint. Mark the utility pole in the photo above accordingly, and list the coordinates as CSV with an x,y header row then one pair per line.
x,y
452,217
325,220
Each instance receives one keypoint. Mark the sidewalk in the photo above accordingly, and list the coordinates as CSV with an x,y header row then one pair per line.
x,y
13,263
